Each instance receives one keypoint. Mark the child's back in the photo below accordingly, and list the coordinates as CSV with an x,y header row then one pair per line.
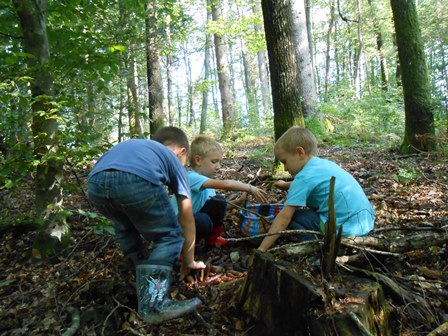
x,y
312,185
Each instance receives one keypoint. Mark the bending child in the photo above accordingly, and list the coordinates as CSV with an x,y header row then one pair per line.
x,y
127,185
306,205
209,208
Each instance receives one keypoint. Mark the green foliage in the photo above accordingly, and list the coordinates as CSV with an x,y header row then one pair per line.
x,y
405,176
374,118
102,224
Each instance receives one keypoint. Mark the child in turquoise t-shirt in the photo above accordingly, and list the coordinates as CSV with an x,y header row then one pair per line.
x,y
306,206
209,208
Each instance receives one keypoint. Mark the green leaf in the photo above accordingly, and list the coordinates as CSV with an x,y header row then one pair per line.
x,y
6,282
117,48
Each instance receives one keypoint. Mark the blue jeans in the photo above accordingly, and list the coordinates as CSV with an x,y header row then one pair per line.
x,y
305,219
139,210
210,216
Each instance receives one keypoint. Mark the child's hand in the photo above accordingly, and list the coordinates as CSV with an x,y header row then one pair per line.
x,y
280,184
259,194
185,269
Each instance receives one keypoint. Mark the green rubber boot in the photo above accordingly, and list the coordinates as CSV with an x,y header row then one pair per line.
x,y
153,282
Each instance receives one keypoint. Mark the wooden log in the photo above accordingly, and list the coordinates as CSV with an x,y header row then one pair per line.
x,y
280,301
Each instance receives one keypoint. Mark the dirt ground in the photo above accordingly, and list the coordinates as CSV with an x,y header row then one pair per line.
x,y
88,289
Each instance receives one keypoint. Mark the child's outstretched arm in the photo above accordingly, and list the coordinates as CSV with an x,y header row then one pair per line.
x,y
281,222
284,185
259,194
186,221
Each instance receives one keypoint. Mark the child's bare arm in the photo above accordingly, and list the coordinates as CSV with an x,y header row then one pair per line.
x,y
259,194
186,221
281,222
284,185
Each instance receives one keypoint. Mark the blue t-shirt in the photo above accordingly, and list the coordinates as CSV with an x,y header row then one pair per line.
x,y
148,159
311,188
199,195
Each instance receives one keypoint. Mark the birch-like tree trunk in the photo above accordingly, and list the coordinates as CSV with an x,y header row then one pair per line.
x,y
327,53
419,134
358,52
304,62
190,116
263,74
222,66
49,172
205,90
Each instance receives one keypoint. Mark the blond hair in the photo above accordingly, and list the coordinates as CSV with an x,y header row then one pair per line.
x,y
202,145
295,137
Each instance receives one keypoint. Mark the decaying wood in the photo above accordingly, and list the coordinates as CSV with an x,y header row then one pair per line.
x,y
283,302
416,305
331,241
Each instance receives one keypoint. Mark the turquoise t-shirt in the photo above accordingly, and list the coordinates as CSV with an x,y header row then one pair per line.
x,y
199,195
311,188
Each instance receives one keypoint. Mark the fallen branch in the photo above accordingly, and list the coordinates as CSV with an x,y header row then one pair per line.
x,y
119,305
440,330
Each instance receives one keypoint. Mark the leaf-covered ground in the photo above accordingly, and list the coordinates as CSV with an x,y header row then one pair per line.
x,y
88,289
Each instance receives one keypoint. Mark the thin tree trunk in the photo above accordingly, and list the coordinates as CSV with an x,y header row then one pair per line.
x,y
187,64
204,107
327,53
225,85
262,67
135,127
154,72
169,63
358,53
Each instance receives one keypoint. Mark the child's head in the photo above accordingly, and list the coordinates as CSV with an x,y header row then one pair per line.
x,y
175,139
206,153
297,137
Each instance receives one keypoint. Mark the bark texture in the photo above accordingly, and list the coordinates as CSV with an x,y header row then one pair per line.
x,y
283,65
419,122
49,171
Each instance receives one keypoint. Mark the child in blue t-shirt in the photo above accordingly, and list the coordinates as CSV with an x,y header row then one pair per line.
x,y
208,207
128,186
306,206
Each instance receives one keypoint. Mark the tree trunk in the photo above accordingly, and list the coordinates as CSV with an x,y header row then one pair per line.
x,y
419,118
169,63
204,107
304,61
283,65
190,116
154,72
358,53
49,172
225,85
327,53
262,67
379,45
282,301
135,127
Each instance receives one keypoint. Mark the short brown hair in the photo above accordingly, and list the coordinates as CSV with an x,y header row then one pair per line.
x,y
170,135
295,137
202,145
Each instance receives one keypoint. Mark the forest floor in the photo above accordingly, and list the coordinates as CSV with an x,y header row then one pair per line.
x,y
88,289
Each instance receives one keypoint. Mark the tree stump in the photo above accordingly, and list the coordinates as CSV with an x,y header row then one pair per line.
x,y
280,300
